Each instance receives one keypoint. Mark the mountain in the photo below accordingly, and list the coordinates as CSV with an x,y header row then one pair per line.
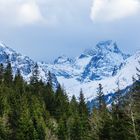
x,y
106,60
103,64
93,64
24,64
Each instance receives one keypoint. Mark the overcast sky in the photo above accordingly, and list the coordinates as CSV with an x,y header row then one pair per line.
x,y
46,29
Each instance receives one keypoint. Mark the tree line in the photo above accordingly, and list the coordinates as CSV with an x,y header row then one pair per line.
x,y
34,111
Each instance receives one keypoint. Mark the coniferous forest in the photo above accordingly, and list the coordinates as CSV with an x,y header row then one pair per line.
x,y
34,111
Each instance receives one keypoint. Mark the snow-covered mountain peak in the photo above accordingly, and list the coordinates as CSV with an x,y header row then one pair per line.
x,y
63,59
109,46
23,63
103,48
105,60
99,62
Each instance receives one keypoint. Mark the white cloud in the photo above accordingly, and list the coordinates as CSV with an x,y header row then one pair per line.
x,y
22,12
48,12
29,13
110,10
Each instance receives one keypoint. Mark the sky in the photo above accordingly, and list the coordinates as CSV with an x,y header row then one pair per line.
x,y
46,29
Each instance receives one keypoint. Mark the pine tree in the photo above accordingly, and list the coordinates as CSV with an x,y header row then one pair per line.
x,y
101,98
63,129
120,119
8,76
4,112
1,73
74,120
14,113
75,128
49,78
83,110
25,129
134,105
100,118
34,80
61,103
73,107
83,114
19,82
49,98
35,75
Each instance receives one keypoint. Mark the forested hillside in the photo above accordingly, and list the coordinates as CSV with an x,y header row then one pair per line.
x,y
34,111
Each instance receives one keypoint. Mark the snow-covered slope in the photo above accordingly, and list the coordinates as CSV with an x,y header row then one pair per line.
x,y
104,63
23,63
110,84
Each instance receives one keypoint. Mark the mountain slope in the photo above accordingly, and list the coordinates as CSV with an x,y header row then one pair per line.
x,y
23,63
105,64
93,64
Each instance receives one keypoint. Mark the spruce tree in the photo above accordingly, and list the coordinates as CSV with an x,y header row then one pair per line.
x,y
1,73
35,75
49,96
120,119
8,76
74,106
100,118
75,128
49,78
61,103
134,105
101,98
63,129
83,110
84,126
34,80
19,82
49,100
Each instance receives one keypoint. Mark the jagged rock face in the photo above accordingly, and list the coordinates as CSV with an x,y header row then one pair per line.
x,y
23,63
106,60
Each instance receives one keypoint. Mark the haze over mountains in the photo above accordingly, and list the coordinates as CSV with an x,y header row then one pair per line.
x,y
105,63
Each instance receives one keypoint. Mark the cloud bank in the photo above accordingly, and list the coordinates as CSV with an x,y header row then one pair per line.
x,y
54,12
48,12
110,10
